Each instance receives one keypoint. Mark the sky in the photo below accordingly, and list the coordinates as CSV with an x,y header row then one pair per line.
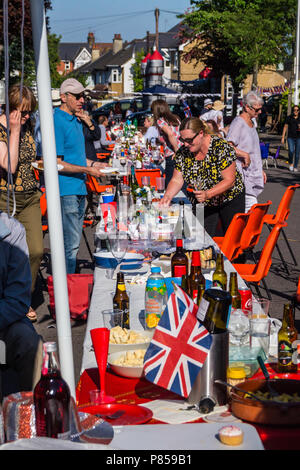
x,y
74,19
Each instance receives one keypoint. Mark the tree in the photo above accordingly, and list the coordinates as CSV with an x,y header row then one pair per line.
x,y
136,71
238,37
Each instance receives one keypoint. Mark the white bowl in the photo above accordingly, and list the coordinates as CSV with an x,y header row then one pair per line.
x,y
133,372
113,347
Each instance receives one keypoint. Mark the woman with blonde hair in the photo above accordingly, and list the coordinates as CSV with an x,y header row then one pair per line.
x,y
167,124
206,162
22,153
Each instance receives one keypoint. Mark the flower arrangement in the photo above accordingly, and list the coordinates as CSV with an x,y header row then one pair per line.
x,y
144,192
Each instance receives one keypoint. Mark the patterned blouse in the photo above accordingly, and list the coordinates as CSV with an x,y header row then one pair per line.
x,y
24,179
163,138
207,172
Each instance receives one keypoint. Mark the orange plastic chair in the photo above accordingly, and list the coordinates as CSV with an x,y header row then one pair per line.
x,y
155,173
255,273
93,184
230,244
282,215
253,229
102,156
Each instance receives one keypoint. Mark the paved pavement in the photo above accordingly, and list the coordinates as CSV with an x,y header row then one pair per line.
x,y
281,284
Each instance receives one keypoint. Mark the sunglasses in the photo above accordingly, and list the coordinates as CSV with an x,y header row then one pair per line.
x,y
77,96
25,113
188,141
256,110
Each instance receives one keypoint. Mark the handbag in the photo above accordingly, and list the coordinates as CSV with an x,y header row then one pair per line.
x,y
80,287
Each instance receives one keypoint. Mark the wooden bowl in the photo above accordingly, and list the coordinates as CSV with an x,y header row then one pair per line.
x,y
270,413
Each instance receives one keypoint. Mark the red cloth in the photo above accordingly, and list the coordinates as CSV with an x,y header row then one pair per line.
x,y
139,391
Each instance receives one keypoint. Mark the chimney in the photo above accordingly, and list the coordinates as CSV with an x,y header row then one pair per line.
x,y
117,43
91,40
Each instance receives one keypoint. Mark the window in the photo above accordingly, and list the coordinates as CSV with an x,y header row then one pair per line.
x,y
116,75
67,64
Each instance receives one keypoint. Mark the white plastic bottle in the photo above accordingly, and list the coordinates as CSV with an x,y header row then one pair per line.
x,y
155,298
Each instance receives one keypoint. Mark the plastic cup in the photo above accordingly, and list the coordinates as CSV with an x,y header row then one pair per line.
x,y
160,184
260,307
95,397
112,318
259,331
145,180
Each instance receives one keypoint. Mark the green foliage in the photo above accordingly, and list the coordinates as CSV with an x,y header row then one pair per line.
x,y
136,71
237,37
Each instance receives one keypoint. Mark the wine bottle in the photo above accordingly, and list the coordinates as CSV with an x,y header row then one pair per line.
x,y
133,183
196,279
220,276
181,215
287,352
234,291
139,160
51,397
213,309
118,193
121,300
179,261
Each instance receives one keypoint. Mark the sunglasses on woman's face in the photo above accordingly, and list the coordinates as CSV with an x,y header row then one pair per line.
x,y
188,141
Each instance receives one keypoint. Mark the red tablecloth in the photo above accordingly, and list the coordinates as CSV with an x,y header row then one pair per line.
x,y
138,391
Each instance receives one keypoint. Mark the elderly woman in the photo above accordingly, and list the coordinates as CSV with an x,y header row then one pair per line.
x,y
243,135
208,164
22,152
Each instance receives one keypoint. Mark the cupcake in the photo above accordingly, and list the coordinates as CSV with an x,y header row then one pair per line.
x,y
231,435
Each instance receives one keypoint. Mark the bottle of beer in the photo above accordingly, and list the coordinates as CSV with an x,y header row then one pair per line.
x,y
133,183
220,276
139,160
213,310
121,300
51,398
181,215
179,261
185,284
196,279
286,336
234,291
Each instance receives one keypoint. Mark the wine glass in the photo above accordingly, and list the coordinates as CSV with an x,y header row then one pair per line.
x,y
117,241
123,161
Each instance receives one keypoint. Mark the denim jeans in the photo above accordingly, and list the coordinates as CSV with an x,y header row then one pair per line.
x,y
72,209
294,148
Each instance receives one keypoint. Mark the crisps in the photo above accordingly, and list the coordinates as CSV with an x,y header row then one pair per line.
x,y
120,335
131,358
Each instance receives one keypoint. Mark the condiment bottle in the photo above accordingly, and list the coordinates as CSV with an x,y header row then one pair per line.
x,y
235,375
52,398
287,335
121,300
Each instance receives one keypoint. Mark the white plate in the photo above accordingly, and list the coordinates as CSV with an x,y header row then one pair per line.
x,y
109,170
188,436
35,165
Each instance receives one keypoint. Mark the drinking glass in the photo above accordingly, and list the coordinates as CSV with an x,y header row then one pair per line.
x,y
259,331
160,184
156,157
146,180
112,317
123,161
260,306
117,242
238,326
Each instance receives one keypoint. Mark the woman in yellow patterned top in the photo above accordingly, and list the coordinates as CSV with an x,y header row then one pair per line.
x,y
20,177
207,163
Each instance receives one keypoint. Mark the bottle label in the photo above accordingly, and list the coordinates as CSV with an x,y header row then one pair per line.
x,y
179,270
122,287
285,353
156,285
204,304
217,284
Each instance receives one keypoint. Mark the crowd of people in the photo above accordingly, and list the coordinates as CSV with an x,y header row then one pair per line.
x,y
222,166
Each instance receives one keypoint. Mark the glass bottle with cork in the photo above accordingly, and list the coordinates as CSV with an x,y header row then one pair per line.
x,y
196,279
287,335
51,398
219,276
179,261
121,300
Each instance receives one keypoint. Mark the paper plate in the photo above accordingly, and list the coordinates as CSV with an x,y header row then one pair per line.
x,y
133,414
40,166
109,170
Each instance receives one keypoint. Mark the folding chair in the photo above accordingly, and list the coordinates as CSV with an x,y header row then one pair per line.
x,y
230,244
93,184
253,229
264,150
256,273
282,215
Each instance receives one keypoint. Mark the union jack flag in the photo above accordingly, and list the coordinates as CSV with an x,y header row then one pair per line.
x,y
186,109
179,346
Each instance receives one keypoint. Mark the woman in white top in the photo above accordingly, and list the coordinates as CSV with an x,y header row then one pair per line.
x,y
151,133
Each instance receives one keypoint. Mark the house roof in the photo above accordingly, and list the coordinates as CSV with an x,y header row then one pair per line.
x,y
70,50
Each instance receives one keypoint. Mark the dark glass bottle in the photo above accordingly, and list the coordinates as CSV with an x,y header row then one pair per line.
x,y
133,183
181,215
196,278
121,300
220,276
52,398
179,261
185,284
213,309
118,193
287,353
234,291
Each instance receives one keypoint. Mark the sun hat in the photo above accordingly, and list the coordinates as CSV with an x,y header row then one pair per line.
x,y
207,101
56,101
71,85
218,105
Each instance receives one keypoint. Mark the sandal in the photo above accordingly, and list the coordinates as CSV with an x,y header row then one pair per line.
x,y
31,315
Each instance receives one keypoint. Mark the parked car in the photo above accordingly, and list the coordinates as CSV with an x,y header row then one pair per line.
x,y
125,105
177,109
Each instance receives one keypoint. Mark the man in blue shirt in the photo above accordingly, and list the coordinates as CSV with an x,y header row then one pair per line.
x,y
70,148
20,345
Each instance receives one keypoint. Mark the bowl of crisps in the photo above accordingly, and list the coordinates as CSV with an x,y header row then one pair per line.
x,y
124,339
128,363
